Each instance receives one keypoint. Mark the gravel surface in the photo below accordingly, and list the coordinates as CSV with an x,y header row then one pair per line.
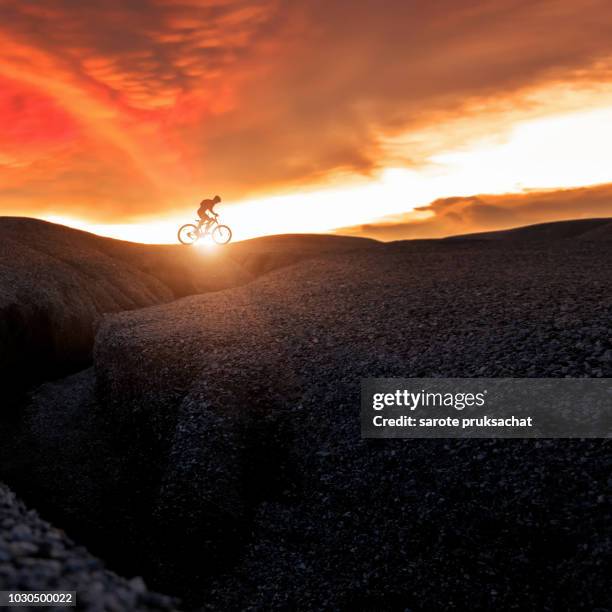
x,y
56,282
36,556
57,448
61,460
241,407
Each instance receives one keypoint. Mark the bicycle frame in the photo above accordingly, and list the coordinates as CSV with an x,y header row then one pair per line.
x,y
208,224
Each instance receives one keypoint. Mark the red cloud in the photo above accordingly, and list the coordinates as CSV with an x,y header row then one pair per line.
x,y
31,119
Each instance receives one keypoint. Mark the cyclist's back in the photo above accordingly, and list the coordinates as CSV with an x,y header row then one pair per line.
x,y
206,210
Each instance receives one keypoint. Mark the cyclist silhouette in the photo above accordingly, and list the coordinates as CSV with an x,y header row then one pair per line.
x,y
207,225
206,212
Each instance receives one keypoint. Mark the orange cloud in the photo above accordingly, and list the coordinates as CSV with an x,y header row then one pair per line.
x,y
454,216
139,106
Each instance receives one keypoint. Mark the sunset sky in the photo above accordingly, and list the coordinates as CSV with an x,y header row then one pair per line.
x,y
391,119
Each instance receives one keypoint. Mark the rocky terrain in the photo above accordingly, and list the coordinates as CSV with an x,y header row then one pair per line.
x,y
36,556
578,229
56,282
214,446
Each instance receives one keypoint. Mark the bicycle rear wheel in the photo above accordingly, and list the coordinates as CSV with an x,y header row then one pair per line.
x,y
222,234
188,234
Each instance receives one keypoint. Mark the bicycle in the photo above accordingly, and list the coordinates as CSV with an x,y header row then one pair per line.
x,y
190,233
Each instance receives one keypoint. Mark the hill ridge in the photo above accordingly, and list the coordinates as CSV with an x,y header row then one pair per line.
x,y
566,228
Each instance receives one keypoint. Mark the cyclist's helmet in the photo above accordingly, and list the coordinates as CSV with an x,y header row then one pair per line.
x,y
216,199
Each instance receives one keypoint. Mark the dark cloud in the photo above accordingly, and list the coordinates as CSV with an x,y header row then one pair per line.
x,y
453,216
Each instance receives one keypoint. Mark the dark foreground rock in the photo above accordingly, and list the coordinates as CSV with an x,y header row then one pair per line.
x,y
241,409
214,447
61,457
58,448
34,556
56,282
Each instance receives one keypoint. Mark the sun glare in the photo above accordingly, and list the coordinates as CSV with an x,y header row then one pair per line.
x,y
206,243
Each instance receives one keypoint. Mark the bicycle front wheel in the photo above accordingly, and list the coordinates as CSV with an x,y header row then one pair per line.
x,y
188,234
222,234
